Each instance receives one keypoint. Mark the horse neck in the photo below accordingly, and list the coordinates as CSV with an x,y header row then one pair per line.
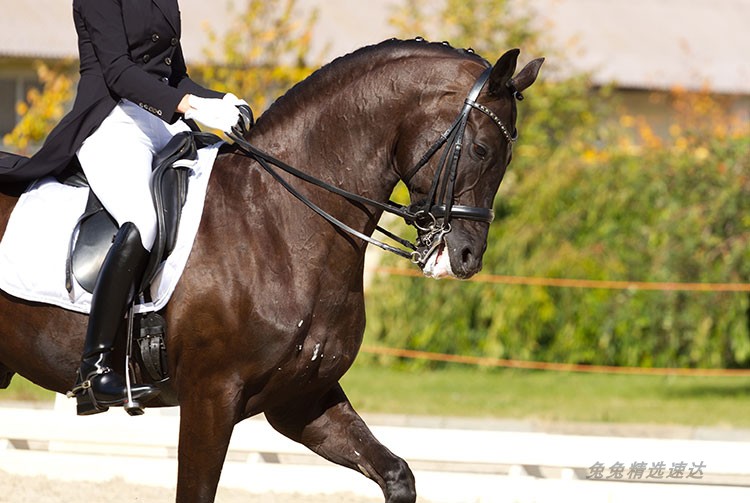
x,y
352,122
357,132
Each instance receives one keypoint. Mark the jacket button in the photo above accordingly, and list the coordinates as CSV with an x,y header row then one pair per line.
x,y
146,58
174,42
167,61
155,37
165,80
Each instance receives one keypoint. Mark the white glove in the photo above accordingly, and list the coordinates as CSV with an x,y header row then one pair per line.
x,y
214,113
247,120
234,100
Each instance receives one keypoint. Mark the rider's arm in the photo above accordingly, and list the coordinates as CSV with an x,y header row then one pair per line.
x,y
103,33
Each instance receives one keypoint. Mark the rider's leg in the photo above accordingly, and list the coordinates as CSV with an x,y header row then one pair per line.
x,y
113,293
117,160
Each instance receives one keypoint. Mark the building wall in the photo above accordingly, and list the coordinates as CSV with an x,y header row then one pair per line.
x,y
641,44
17,76
661,112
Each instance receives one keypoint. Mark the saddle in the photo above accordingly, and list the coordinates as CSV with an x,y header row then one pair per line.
x,y
96,228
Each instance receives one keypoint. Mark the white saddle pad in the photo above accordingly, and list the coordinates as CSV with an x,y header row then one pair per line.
x,y
34,249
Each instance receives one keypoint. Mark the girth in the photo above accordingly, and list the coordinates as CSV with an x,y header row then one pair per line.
x,y
95,229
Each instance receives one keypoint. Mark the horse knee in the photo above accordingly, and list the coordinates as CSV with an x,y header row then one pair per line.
x,y
399,484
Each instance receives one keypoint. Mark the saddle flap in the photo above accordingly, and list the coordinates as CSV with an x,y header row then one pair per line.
x,y
96,231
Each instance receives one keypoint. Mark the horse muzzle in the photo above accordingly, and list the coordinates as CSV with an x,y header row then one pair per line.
x,y
440,255
438,264
451,258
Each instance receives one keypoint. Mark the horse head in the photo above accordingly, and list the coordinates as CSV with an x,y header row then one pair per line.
x,y
439,119
453,185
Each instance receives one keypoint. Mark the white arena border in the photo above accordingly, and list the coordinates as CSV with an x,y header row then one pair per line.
x,y
451,465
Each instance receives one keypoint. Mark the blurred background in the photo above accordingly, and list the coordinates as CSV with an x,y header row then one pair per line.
x,y
621,239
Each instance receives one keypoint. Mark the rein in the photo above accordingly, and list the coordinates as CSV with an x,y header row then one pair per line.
x,y
423,216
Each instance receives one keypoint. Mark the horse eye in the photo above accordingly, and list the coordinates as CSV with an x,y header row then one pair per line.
x,y
480,151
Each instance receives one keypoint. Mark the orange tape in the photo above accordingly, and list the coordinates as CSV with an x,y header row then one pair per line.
x,y
587,283
559,367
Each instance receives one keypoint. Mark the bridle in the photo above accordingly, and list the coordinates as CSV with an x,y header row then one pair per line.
x,y
432,216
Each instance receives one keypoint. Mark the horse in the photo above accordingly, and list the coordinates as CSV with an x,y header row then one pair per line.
x,y
269,312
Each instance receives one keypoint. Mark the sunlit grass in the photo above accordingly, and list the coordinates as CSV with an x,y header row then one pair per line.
x,y
552,396
23,390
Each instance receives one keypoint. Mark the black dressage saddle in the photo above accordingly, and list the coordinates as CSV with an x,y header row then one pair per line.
x,y
96,228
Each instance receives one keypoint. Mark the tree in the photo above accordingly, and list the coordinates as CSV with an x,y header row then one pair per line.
x,y
265,51
561,111
43,108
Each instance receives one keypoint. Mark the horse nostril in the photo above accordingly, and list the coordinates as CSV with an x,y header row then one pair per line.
x,y
466,256
471,263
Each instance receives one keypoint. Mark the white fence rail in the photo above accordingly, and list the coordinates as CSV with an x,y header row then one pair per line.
x,y
452,465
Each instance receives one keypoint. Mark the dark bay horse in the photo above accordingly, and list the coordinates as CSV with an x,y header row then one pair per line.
x,y
269,313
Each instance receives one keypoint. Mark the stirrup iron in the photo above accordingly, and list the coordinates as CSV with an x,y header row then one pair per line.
x,y
132,407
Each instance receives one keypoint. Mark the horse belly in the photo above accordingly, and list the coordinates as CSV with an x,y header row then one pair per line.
x,y
41,343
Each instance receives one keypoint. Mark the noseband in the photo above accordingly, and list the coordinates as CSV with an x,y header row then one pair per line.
x,y
432,216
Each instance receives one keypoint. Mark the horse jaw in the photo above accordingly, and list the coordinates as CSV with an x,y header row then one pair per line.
x,y
438,264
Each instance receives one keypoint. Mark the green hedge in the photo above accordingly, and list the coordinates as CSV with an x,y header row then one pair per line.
x,y
661,214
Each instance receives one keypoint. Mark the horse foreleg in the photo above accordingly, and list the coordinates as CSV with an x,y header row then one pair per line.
x,y
331,428
206,424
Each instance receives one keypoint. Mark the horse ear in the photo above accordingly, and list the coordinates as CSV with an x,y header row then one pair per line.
x,y
527,76
503,71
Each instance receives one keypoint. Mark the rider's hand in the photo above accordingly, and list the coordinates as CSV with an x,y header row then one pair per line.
x,y
234,100
246,114
214,113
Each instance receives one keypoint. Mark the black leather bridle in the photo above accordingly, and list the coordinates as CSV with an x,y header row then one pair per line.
x,y
431,216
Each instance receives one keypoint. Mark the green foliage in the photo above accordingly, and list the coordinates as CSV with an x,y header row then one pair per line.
x,y
594,200
656,215
560,112
485,25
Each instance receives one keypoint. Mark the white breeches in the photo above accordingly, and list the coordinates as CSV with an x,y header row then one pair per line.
x,y
117,159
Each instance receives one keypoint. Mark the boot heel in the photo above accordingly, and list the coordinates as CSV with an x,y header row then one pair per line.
x,y
85,406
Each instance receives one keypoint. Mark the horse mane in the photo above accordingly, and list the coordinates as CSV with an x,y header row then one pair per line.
x,y
395,49
349,66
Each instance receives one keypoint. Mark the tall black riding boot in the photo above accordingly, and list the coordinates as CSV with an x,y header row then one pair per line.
x,y
99,386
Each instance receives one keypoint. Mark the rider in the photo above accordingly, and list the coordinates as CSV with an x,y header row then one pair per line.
x,y
133,95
